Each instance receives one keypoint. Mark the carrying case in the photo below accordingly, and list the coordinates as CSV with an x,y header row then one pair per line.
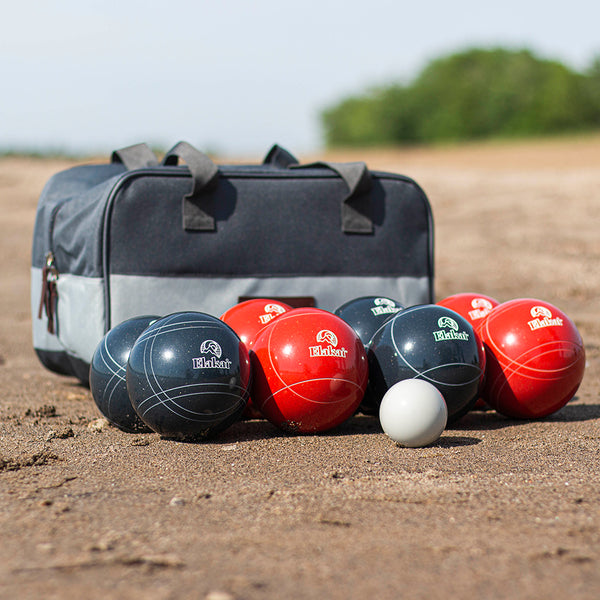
x,y
137,237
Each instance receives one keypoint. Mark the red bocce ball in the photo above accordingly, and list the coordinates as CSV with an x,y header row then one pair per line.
x,y
535,358
473,307
247,319
310,371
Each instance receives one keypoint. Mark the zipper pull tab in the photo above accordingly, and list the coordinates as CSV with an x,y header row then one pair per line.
x,y
49,293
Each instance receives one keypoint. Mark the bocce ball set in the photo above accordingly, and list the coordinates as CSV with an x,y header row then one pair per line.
x,y
189,296
190,375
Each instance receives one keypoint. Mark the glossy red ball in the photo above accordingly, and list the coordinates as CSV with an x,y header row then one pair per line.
x,y
310,371
475,308
535,358
247,319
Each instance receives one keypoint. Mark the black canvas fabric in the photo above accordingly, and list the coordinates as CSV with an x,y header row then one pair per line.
x,y
266,224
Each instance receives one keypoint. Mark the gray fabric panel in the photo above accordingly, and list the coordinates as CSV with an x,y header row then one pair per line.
x,y
81,316
133,295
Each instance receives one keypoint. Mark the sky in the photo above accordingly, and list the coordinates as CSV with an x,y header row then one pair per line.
x,y
234,77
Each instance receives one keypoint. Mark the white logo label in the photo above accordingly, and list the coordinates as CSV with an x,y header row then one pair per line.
x,y
481,308
211,347
384,306
325,336
449,330
448,322
542,317
211,362
541,311
271,311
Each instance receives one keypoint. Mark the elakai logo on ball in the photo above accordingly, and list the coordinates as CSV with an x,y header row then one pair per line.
x,y
212,362
271,311
384,306
449,330
542,317
325,336
481,308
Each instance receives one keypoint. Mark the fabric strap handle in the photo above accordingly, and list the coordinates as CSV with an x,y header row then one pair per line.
x,y
280,157
198,207
133,157
356,205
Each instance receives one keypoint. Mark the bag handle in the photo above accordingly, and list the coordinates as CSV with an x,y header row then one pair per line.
x,y
198,209
280,157
137,156
356,205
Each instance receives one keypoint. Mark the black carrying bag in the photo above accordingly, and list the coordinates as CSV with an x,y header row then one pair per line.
x,y
135,236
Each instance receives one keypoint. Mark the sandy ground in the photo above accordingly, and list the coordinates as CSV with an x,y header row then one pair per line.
x,y
496,509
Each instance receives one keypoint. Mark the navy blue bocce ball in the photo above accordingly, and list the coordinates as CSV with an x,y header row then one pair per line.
x,y
433,343
366,315
188,376
107,374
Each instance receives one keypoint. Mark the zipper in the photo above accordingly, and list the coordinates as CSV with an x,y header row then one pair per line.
x,y
49,293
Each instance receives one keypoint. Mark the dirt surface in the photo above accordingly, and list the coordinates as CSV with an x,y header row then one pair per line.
x,y
498,508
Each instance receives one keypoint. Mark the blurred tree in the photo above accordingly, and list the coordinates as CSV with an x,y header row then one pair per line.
x,y
473,94
593,88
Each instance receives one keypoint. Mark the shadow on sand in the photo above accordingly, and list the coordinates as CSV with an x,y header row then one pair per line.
x,y
490,419
477,420
256,429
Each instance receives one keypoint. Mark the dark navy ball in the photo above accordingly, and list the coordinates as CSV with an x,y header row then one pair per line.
x,y
366,315
188,376
107,374
433,343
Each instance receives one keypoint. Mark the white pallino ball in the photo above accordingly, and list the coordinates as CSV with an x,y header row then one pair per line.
x,y
413,413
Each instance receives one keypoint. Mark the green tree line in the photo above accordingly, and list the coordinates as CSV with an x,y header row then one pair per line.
x,y
475,94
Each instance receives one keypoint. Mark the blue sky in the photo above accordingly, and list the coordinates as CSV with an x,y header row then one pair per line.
x,y
234,76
